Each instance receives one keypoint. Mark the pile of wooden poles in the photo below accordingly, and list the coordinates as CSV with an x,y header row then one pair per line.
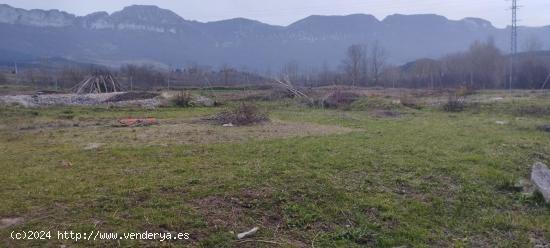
x,y
98,83
287,84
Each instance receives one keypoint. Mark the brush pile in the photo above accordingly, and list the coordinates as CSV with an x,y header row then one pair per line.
x,y
243,115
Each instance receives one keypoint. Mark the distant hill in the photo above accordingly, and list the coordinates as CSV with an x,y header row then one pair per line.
x,y
149,34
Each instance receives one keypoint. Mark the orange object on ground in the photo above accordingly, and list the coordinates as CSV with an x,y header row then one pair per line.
x,y
131,122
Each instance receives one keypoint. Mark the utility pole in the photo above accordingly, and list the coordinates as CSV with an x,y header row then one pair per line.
x,y
169,76
16,71
513,41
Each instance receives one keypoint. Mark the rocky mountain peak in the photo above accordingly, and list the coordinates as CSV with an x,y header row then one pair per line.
x,y
147,14
40,18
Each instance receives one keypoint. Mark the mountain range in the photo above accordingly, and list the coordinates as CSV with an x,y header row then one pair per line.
x,y
149,34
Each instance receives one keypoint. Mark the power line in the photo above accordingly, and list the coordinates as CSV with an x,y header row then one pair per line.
x,y
513,41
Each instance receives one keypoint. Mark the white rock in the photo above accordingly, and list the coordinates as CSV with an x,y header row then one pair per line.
x,y
228,125
248,233
540,175
92,146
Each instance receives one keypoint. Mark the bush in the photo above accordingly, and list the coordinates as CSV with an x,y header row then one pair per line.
x,y
340,99
242,115
454,103
182,99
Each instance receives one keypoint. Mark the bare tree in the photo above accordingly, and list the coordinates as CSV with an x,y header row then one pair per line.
x,y
144,76
70,76
425,73
291,71
486,64
325,74
355,63
391,75
226,72
378,58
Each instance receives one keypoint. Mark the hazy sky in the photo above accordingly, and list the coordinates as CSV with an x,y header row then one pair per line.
x,y
284,12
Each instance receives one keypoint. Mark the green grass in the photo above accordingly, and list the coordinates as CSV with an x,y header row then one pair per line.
x,y
425,179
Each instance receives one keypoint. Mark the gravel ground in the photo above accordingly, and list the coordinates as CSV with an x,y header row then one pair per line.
x,y
75,100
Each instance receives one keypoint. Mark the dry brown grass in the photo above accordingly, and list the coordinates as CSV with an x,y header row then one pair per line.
x,y
182,134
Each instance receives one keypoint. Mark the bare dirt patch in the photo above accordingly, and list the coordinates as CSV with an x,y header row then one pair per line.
x,y
7,222
193,133
239,211
386,114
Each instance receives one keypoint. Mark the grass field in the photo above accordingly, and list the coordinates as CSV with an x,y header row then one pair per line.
x,y
311,178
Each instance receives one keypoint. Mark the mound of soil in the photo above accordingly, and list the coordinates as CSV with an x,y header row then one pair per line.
x,y
339,99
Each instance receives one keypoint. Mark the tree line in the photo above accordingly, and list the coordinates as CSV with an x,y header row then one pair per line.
x,y
481,66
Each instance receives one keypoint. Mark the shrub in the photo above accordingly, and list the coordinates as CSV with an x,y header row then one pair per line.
x,y
340,99
242,115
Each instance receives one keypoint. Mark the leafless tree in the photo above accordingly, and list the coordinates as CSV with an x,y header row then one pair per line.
x,y
427,71
143,76
226,72
70,76
291,71
325,76
486,64
391,75
378,56
355,63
